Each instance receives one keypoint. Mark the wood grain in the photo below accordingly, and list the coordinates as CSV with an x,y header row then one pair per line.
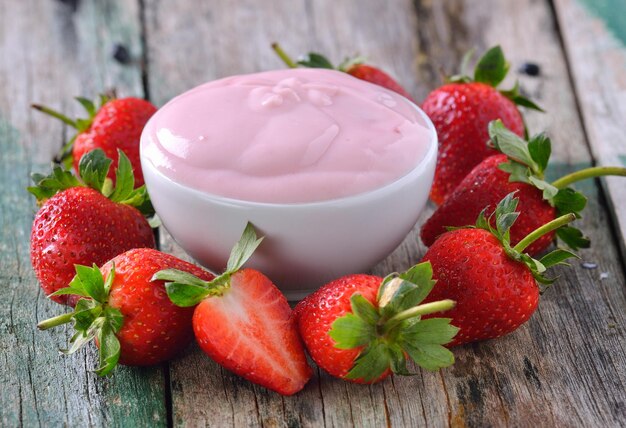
x,y
50,53
598,66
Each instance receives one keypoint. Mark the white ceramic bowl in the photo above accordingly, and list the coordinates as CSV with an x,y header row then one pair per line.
x,y
306,244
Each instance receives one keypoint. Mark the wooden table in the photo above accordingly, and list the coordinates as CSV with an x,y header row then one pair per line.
x,y
566,367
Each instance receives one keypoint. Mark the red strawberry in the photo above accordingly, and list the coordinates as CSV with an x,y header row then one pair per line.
x,y
495,286
115,125
127,312
461,111
361,328
243,322
79,225
353,67
520,168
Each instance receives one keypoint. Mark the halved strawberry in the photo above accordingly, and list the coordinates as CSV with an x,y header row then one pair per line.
x,y
243,321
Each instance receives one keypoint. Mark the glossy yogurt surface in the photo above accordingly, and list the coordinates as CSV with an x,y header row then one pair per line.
x,y
286,136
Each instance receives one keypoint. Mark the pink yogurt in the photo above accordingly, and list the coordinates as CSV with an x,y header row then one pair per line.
x,y
286,136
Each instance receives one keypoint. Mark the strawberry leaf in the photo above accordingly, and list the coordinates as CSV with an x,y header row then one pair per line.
x,y
110,349
569,200
423,342
482,222
540,149
93,318
492,67
371,363
88,105
573,237
398,361
362,308
548,190
520,169
93,169
125,192
351,331
400,292
504,217
185,295
85,313
78,340
521,100
437,331
388,331
124,179
518,173
315,60
47,186
183,288
429,356
92,282
511,144
557,257
243,249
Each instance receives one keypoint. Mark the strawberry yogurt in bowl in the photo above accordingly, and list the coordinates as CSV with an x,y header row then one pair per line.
x,y
332,170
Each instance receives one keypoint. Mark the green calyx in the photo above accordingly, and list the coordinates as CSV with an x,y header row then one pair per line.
x,y
93,169
491,69
185,289
64,156
504,217
527,162
93,318
395,329
315,60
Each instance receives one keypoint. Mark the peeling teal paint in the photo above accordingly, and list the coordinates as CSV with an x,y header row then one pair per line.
x,y
612,12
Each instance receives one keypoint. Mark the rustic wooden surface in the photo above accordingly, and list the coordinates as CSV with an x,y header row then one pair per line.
x,y
598,61
566,367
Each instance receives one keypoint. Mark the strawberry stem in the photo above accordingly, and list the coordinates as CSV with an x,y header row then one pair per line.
x,y
56,114
425,309
55,321
596,171
540,231
283,56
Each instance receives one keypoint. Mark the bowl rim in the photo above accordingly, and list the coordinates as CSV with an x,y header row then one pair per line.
x,y
348,200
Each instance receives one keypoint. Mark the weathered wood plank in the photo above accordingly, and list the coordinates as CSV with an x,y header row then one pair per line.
x,y
552,371
597,60
51,52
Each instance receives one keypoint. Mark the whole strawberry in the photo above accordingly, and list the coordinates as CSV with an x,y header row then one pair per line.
x,y
115,125
495,286
127,312
353,67
78,224
520,168
361,328
461,111
243,322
